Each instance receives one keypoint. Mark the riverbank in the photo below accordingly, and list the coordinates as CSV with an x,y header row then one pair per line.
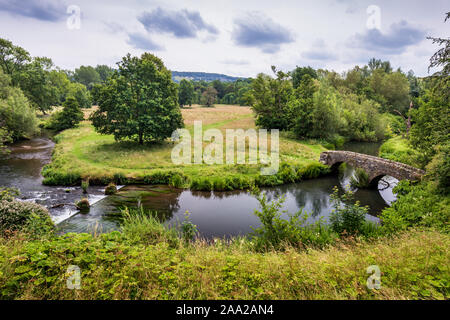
x,y
81,154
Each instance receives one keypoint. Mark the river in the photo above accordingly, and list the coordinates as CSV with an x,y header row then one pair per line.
x,y
216,214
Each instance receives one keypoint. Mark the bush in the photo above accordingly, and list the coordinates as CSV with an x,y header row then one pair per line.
x,y
416,205
69,117
277,233
349,218
110,189
18,215
17,116
85,185
83,205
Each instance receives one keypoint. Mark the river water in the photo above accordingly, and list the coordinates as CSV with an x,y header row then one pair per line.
x,y
216,214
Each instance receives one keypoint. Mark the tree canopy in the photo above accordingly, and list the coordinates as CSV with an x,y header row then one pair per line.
x,y
139,101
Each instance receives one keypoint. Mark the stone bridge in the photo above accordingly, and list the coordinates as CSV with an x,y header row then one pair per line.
x,y
375,167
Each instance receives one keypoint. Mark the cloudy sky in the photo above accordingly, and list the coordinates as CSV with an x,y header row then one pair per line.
x,y
235,37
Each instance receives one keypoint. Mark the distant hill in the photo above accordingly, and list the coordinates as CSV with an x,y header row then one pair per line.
x,y
177,76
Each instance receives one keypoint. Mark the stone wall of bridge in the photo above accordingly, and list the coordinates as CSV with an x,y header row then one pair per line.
x,y
375,167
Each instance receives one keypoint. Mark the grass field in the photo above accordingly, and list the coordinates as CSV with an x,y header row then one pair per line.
x,y
82,153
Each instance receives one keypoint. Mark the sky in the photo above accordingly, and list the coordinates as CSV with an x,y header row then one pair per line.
x,y
234,37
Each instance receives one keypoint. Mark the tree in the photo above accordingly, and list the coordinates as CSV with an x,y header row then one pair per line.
x,y
81,94
36,82
104,72
431,130
298,73
16,115
209,96
377,64
69,117
270,100
302,107
186,93
390,90
220,88
139,101
13,59
61,82
87,75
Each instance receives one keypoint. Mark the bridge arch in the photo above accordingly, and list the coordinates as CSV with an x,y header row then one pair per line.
x,y
375,167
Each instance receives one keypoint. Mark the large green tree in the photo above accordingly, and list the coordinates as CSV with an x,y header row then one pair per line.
x,y
139,101
13,59
270,100
35,80
431,130
87,75
299,72
186,93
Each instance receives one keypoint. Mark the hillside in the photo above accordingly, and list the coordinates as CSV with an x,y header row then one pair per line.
x,y
198,76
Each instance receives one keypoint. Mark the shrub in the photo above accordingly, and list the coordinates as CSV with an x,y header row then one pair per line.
x,y
416,205
276,233
188,229
8,193
83,205
349,218
18,215
85,185
110,189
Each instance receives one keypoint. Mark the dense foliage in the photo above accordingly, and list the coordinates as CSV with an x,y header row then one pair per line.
x,y
319,105
17,118
18,215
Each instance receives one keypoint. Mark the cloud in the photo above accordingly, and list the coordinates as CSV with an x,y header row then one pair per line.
x,y
235,62
395,41
142,42
319,52
40,10
181,24
113,27
259,31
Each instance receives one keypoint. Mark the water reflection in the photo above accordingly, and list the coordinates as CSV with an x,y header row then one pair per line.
x,y
219,214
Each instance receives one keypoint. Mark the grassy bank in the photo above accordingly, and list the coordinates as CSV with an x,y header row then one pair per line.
x,y
398,149
413,265
82,153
